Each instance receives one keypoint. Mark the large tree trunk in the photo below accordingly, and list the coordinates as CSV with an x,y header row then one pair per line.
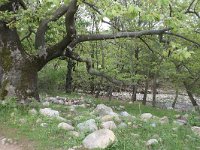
x,y
20,73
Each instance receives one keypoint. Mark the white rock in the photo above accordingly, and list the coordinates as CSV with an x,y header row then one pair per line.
x,y
164,120
44,125
3,141
103,110
65,126
99,139
48,112
74,133
32,111
122,125
151,142
38,120
61,119
87,126
45,104
196,130
180,122
22,121
109,125
124,114
146,116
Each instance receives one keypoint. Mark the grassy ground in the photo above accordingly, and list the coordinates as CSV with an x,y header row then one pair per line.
x,y
170,136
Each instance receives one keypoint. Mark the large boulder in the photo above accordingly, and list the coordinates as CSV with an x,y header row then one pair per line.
x,y
103,110
99,139
65,126
87,126
109,125
196,130
48,112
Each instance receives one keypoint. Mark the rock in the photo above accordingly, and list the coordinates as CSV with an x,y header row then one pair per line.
x,y
164,120
110,118
4,141
122,125
180,122
45,104
74,133
109,125
135,126
65,126
146,116
44,125
61,119
196,130
87,126
151,142
103,110
32,111
124,114
22,121
153,124
48,112
177,116
99,139
38,120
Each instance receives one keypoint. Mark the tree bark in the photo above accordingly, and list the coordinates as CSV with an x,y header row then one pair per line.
x,y
20,70
144,101
134,92
154,90
1,74
190,95
175,99
69,78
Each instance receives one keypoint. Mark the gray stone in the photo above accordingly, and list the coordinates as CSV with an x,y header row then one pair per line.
x,y
61,119
122,125
45,104
74,133
32,111
109,125
146,116
151,142
22,121
44,125
99,139
48,112
164,120
87,126
196,130
180,122
65,126
103,110
124,114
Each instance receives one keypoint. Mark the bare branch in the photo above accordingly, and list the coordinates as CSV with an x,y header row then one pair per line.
x,y
92,71
146,44
189,9
182,37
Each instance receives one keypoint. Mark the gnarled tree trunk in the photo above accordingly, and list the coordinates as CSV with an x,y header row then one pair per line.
x,y
20,73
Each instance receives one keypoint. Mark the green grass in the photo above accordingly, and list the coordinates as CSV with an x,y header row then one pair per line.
x,y
53,138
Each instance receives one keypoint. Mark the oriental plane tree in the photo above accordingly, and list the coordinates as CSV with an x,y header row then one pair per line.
x,y
32,33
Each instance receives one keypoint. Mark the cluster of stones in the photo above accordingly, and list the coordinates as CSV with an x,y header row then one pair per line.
x,y
99,131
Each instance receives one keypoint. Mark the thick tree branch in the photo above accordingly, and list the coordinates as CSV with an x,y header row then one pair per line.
x,y
40,34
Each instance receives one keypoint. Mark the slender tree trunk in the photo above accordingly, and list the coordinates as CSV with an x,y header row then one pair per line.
x,y
1,74
20,70
144,101
190,95
134,93
69,79
154,90
175,99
